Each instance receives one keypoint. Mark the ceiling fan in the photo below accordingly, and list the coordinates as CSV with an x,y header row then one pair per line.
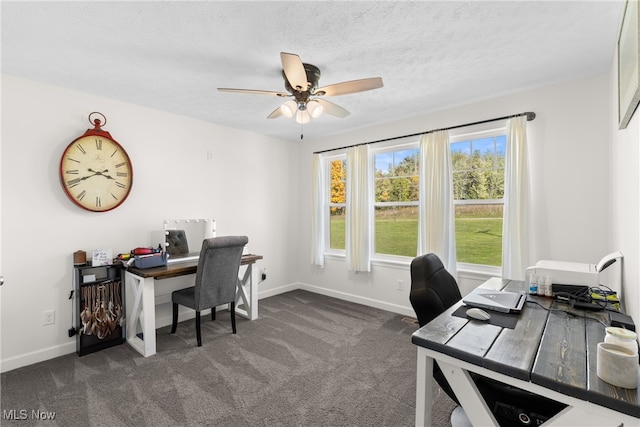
x,y
301,83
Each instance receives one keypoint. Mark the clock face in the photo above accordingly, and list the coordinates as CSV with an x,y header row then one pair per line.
x,y
96,173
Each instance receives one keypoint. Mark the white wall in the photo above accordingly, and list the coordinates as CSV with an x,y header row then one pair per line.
x,y
569,147
248,188
625,198
41,228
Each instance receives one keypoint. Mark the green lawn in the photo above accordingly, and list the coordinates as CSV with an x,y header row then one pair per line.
x,y
478,240
397,236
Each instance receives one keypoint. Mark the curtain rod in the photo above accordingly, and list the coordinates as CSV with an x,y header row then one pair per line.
x,y
530,116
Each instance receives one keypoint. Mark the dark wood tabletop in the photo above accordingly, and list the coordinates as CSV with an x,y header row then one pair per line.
x,y
176,269
552,345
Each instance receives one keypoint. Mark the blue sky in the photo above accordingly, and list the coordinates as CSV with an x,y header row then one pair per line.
x,y
484,145
385,161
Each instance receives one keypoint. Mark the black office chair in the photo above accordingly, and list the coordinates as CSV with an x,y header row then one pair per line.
x,y
216,280
434,290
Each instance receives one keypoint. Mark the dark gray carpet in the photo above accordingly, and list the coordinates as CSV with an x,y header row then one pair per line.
x,y
309,360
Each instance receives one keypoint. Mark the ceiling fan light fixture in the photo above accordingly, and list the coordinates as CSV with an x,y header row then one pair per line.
x,y
303,117
289,108
314,108
301,84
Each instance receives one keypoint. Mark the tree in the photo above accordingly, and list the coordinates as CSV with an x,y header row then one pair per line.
x,y
400,182
338,189
476,177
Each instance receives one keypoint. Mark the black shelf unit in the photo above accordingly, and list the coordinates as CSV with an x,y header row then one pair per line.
x,y
99,309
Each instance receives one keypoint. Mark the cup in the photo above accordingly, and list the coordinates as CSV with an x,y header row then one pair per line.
x,y
617,365
622,337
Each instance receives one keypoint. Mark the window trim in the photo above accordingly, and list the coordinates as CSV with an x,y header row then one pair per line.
x,y
391,146
479,132
478,201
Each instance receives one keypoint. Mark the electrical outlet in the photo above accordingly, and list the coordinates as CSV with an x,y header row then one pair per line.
x,y
48,317
400,285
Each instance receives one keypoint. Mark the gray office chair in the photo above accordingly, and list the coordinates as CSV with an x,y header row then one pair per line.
x,y
216,280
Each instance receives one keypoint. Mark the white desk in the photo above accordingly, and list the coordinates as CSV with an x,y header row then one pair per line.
x,y
140,303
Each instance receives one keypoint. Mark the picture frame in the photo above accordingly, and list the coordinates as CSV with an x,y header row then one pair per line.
x,y
102,257
629,63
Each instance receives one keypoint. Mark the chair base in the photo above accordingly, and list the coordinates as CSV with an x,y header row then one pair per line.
x,y
174,323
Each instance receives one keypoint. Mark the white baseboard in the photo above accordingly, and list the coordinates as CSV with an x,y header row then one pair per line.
x,y
277,291
165,320
37,356
382,305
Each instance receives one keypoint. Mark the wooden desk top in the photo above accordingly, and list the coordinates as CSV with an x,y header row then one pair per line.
x,y
180,268
549,348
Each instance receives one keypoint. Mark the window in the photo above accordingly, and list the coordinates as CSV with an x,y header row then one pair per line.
x,y
396,201
478,161
478,187
337,202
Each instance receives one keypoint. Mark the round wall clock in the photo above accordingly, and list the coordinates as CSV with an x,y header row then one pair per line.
x,y
95,171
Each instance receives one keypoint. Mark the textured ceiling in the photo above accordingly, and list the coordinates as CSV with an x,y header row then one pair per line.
x,y
172,56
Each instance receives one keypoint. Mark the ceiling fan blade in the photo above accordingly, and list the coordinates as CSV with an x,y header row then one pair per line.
x,y
275,113
253,92
294,70
352,86
331,108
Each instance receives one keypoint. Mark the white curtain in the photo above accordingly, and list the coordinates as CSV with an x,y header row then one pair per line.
x,y
515,228
317,211
358,251
437,233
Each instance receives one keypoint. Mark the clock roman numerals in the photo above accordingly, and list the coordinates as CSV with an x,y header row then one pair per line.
x,y
82,150
82,194
99,144
119,184
73,182
98,202
72,172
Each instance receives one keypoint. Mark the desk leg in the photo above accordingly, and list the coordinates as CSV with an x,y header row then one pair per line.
x,y
467,393
424,388
141,312
247,304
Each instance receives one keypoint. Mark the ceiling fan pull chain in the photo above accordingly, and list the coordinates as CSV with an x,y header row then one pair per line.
x,y
301,129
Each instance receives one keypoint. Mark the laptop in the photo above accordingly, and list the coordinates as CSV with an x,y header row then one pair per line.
x,y
490,299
